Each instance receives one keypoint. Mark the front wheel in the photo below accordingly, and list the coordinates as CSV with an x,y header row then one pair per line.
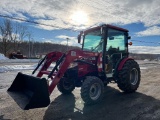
x,y
65,86
92,90
128,79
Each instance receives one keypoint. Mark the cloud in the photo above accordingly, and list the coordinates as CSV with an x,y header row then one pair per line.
x,y
48,41
145,49
62,39
65,37
59,13
151,31
45,40
51,24
72,41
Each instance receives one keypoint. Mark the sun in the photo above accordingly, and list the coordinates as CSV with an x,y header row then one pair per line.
x,y
79,17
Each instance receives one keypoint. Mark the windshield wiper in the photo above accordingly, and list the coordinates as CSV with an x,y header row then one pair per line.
x,y
100,43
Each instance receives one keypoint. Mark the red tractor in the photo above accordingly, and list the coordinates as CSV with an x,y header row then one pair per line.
x,y
102,60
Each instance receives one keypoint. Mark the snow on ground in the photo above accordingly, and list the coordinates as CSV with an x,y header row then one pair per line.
x,y
19,64
19,60
29,64
16,64
6,68
2,57
143,68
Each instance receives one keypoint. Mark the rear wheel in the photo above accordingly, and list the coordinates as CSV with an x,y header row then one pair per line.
x,y
65,86
128,79
92,90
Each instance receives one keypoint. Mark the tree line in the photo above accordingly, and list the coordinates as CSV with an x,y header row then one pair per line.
x,y
16,37
145,56
33,49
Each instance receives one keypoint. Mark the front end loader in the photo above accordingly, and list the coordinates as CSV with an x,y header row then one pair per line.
x,y
102,60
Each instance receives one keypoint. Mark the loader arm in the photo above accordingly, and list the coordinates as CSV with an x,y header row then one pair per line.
x,y
49,58
69,57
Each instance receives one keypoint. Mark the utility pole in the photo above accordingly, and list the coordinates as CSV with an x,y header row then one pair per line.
x,y
67,43
29,54
32,50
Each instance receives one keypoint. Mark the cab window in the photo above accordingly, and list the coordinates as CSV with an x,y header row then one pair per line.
x,y
116,41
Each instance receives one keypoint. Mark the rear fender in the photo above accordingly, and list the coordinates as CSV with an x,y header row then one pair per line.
x,y
120,65
122,62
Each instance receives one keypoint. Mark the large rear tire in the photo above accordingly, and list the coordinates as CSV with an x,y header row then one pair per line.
x,y
128,79
92,90
65,86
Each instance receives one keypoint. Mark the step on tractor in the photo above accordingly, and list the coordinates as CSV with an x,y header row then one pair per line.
x,y
103,59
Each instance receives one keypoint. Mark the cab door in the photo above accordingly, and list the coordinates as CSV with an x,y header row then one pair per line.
x,y
116,48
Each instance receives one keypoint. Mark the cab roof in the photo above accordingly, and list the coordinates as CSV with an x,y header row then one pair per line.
x,y
107,26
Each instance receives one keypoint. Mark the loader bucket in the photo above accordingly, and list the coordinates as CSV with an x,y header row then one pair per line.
x,y
29,92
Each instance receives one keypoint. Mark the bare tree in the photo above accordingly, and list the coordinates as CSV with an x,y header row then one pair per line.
x,y
18,34
11,32
5,31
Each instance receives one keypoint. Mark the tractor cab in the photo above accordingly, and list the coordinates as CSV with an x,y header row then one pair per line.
x,y
109,40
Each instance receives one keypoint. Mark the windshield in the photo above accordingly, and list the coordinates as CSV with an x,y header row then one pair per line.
x,y
93,42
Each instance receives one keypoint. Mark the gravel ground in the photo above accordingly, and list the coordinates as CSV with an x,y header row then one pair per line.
x,y
142,105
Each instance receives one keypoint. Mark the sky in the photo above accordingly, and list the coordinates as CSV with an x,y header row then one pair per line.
x,y
67,17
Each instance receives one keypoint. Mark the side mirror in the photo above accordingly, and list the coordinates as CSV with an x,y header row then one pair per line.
x,y
79,38
129,37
